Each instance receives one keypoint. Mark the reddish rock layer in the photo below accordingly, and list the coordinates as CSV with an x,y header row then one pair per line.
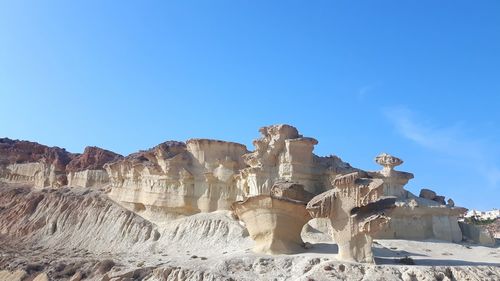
x,y
93,158
16,151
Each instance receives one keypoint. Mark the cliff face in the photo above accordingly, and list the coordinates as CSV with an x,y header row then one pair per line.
x,y
43,166
87,169
282,154
93,158
24,161
176,178
202,175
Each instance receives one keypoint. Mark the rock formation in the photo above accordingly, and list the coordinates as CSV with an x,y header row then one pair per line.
x,y
476,234
275,220
176,178
357,209
43,166
283,154
201,175
414,217
30,162
87,169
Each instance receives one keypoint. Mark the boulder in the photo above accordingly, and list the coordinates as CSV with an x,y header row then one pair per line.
x,y
450,203
427,194
439,199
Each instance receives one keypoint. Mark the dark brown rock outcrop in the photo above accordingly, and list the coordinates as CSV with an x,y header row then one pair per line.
x,y
19,151
93,158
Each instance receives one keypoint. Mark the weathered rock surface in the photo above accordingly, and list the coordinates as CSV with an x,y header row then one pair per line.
x,y
30,162
205,246
275,221
87,169
17,275
176,178
431,195
423,217
476,234
176,224
43,166
357,209
282,154
69,218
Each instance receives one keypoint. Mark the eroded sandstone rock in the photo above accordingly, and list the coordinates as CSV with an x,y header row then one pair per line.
x,y
87,169
357,209
43,166
30,162
282,154
477,234
176,178
275,221
424,217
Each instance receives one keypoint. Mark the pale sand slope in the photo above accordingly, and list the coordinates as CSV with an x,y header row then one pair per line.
x,y
79,231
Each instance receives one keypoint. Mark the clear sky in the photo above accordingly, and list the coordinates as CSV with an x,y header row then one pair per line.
x,y
416,79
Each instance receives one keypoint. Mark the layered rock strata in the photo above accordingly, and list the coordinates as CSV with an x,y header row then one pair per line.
x,y
176,178
87,169
43,166
415,217
282,154
357,209
275,221
30,162
476,234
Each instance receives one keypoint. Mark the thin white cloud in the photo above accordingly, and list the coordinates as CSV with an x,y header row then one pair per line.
x,y
364,91
451,141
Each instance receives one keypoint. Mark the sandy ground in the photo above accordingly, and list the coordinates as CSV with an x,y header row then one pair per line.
x,y
214,246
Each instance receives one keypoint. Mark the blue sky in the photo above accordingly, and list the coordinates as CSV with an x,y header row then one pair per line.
x,y
417,79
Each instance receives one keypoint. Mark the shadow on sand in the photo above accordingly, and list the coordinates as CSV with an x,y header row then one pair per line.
x,y
386,256
434,262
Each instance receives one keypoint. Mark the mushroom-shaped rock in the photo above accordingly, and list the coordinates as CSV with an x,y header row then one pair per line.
x,y
275,221
357,209
388,162
394,180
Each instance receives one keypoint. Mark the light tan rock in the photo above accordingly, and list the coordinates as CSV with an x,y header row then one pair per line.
x,y
283,154
88,178
394,181
17,275
423,217
41,277
357,209
477,234
175,179
77,276
39,174
275,221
